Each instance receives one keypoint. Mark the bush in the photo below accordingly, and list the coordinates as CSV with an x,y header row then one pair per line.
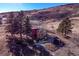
x,y
65,27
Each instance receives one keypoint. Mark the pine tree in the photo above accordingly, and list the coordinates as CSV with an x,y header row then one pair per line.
x,y
65,27
10,24
13,26
27,26
0,21
10,18
20,19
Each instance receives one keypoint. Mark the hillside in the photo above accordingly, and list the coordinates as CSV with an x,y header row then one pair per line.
x,y
57,12
48,19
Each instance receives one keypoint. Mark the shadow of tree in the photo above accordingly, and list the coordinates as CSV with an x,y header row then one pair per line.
x,y
52,39
25,48
19,48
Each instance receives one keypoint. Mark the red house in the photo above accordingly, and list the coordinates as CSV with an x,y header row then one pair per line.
x,y
34,33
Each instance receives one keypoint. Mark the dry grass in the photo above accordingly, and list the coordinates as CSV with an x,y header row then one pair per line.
x,y
71,47
3,42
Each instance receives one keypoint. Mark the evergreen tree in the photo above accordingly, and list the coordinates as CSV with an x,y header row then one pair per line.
x,y
10,24
0,21
13,24
27,26
10,18
20,24
65,27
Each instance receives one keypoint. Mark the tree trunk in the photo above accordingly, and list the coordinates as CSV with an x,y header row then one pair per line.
x,y
21,36
26,36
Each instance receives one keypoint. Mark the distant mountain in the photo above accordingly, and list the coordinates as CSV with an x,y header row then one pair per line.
x,y
58,12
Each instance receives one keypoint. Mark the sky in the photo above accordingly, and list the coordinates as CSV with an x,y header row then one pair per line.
x,y
7,7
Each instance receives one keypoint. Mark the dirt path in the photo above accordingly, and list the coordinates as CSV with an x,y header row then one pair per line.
x,y
3,42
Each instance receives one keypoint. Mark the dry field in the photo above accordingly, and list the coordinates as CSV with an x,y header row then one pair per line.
x,y
71,47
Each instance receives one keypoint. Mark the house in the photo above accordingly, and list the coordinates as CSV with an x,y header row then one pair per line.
x,y
38,32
